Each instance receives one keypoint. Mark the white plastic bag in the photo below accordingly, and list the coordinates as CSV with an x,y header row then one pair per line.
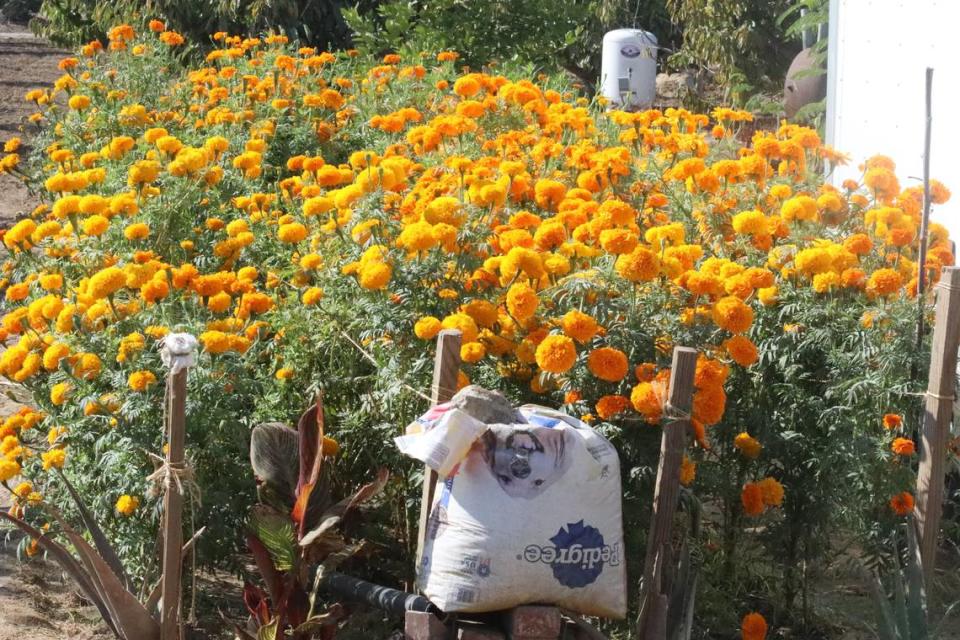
x,y
531,514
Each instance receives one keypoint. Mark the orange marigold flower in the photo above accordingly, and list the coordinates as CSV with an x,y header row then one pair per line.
x,y
772,492
859,244
732,314
608,364
751,496
903,447
648,399
141,380
742,350
902,503
892,421
640,265
688,471
556,354
522,301
753,627
579,326
884,282
611,406
748,445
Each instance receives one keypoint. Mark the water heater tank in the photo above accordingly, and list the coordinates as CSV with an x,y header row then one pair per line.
x,y
628,71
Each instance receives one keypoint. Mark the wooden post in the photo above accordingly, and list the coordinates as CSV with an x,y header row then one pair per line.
x,y
173,507
937,416
651,623
446,368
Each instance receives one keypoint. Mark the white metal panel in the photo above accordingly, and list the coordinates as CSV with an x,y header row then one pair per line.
x,y
879,51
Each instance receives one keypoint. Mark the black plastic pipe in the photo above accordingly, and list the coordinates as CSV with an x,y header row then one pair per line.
x,y
392,601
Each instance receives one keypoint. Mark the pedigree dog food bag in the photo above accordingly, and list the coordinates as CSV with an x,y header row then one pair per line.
x,y
528,508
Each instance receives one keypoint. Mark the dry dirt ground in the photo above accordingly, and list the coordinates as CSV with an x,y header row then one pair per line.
x,y
36,601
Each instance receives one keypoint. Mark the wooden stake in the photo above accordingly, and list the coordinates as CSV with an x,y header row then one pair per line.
x,y
937,416
173,507
651,623
446,368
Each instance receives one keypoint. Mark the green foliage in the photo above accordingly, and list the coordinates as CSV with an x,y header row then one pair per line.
x,y
74,22
740,40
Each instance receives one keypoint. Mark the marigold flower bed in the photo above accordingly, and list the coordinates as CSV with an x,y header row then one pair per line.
x,y
304,213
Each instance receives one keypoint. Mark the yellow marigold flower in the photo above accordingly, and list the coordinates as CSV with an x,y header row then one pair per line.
x,y
106,282
220,302
312,296
608,364
284,373
825,282
375,275
17,292
748,445
60,392
23,490
484,313
556,354
79,102
141,380
462,323
802,208
751,222
292,232
640,265
53,354
8,469
51,281
87,366
427,328
471,352
215,341
768,296
136,231
522,301
311,261
95,225
53,459
126,505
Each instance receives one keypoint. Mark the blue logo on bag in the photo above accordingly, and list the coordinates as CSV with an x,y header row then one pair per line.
x,y
577,556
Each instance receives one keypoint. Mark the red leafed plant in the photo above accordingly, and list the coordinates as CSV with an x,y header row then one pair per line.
x,y
294,529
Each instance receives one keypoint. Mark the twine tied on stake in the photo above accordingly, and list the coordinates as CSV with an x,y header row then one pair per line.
x,y
168,475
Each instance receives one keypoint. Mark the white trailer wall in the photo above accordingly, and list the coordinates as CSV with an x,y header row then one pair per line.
x,y
879,50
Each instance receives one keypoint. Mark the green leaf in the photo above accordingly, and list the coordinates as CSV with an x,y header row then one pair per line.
x,y
275,531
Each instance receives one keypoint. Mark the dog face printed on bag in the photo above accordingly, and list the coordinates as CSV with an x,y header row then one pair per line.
x,y
525,460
